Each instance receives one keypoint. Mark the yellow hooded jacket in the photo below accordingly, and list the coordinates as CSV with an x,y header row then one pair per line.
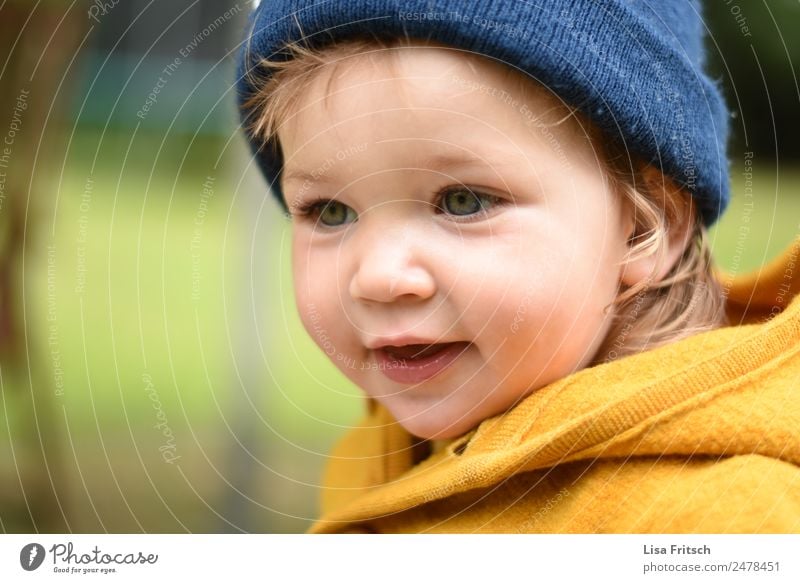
x,y
702,435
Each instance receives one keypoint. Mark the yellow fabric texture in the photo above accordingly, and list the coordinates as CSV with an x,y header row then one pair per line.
x,y
700,436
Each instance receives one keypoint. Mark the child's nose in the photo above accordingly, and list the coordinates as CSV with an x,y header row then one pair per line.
x,y
391,264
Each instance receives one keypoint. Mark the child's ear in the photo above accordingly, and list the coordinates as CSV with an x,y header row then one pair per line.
x,y
680,216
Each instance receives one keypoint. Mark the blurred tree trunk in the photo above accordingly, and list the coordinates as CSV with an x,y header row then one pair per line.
x,y
38,41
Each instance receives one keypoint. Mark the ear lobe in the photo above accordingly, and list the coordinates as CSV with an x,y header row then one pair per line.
x,y
679,222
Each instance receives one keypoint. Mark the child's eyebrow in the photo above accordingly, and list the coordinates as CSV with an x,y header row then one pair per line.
x,y
436,163
441,162
303,176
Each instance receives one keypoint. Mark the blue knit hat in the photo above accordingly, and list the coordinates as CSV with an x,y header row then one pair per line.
x,y
634,68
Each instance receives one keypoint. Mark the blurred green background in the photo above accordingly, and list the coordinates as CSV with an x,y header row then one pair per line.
x,y
158,378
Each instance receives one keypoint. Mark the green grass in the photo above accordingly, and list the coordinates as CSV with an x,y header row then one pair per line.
x,y
760,224
140,313
137,315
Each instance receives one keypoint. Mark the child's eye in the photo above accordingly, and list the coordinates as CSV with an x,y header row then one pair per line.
x,y
330,213
462,201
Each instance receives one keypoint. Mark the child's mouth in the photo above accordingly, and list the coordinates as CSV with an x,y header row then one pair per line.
x,y
415,351
415,363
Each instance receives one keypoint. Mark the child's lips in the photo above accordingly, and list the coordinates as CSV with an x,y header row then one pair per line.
x,y
415,363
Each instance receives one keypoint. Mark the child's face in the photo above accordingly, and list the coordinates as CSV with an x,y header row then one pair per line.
x,y
519,273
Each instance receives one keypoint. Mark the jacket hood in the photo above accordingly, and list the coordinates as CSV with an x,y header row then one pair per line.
x,y
726,392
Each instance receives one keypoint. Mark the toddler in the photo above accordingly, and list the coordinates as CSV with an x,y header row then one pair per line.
x,y
499,216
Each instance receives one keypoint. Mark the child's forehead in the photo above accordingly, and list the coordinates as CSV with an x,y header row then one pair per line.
x,y
419,74
428,87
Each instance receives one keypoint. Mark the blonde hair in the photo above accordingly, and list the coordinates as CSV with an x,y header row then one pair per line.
x,y
688,300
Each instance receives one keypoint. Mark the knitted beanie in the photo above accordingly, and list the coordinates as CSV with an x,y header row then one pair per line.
x,y
635,69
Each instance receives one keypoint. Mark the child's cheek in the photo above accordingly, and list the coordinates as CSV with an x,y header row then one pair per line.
x,y
324,327
325,321
313,308
516,293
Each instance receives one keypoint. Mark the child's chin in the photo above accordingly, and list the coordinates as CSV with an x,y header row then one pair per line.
x,y
433,428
